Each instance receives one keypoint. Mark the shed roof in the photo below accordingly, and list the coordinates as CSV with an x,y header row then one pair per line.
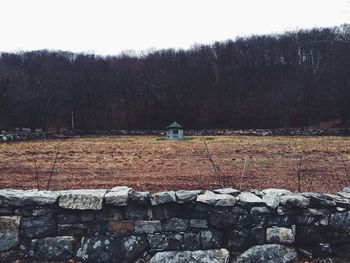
x,y
174,125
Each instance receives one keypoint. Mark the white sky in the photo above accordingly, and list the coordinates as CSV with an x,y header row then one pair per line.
x,y
111,26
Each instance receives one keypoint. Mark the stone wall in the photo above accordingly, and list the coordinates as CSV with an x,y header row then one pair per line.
x,y
122,225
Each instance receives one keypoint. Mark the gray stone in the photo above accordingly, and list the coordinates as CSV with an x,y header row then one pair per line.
x,y
191,241
316,211
228,191
133,246
39,226
68,218
72,229
56,248
163,198
175,241
294,200
199,256
87,216
175,225
318,199
158,241
340,220
118,196
110,213
136,212
142,198
12,197
256,192
344,194
82,199
280,235
96,249
211,238
346,189
9,230
250,198
148,227
238,239
272,196
270,253
225,220
260,210
199,223
213,199
185,196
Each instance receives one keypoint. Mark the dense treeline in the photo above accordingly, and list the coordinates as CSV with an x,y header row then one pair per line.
x,y
292,79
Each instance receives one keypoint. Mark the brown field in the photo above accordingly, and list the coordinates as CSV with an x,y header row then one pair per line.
x,y
153,164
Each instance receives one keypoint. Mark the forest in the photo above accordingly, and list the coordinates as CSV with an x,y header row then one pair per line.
x,y
294,79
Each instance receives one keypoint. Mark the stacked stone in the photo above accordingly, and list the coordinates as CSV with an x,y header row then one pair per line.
x,y
122,225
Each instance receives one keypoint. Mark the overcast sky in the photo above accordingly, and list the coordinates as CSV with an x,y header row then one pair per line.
x,y
111,26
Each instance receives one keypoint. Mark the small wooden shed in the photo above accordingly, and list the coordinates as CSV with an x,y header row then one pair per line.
x,y
174,131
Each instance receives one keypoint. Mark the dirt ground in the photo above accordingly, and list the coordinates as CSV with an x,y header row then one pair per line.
x,y
153,164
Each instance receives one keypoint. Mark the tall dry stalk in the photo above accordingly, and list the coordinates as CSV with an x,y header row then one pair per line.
x,y
222,179
299,173
247,167
53,165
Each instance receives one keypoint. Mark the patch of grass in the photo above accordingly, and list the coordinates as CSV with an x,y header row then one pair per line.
x,y
263,162
209,138
238,163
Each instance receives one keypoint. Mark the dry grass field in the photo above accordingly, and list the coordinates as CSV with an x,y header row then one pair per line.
x,y
152,163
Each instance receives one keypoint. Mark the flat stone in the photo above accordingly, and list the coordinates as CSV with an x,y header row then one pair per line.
x,y
14,197
260,210
163,198
96,249
148,227
200,256
199,223
318,199
280,235
250,198
295,200
268,253
175,225
316,212
135,211
82,199
118,196
158,241
272,196
71,229
238,239
340,220
142,198
121,227
213,199
346,189
227,191
9,232
211,238
344,194
185,196
132,247
56,248
38,226
191,241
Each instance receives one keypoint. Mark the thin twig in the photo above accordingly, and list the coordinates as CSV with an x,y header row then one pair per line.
x,y
53,166
346,171
299,173
218,173
36,170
